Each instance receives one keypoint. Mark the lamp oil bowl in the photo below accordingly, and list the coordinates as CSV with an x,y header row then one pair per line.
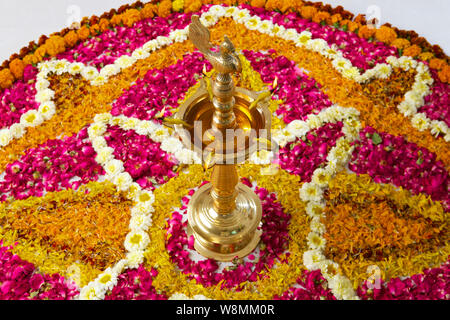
x,y
224,214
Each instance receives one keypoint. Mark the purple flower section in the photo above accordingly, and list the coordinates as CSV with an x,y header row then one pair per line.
x,y
437,104
20,280
105,48
362,53
143,158
160,89
432,284
274,241
18,99
312,286
136,284
302,157
392,159
53,166
301,94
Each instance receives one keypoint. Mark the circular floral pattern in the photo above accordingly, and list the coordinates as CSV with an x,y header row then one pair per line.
x,y
355,200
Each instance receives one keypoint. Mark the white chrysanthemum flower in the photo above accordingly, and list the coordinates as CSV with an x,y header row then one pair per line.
x,y
103,118
178,35
241,15
414,98
185,156
351,73
311,258
129,123
42,84
315,241
217,10
136,241
407,109
420,122
31,118
47,110
261,157
230,11
145,196
123,181
134,259
163,41
341,64
322,177
265,26
5,137
113,167
315,209
61,66
142,208
150,46
44,67
140,222
104,155
283,136
331,52
311,192
298,128
125,61
159,134
145,127
89,73
317,226
180,296
277,31
406,63
109,70
92,292
303,38
327,267
99,80
438,127
420,88
290,34
351,128
317,45
314,121
252,23
75,68
44,95
107,279
96,129
383,70
208,19
98,143
141,53
341,287
133,190
17,130
171,145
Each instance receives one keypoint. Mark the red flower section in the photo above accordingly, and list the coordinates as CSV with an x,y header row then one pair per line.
x,y
303,156
53,166
301,94
160,89
310,286
142,157
20,280
18,99
136,284
432,284
390,159
274,242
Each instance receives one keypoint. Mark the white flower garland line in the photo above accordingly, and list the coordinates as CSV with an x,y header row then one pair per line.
x,y
312,194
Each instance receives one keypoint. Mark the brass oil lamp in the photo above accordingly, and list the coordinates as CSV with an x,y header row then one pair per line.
x,y
224,214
